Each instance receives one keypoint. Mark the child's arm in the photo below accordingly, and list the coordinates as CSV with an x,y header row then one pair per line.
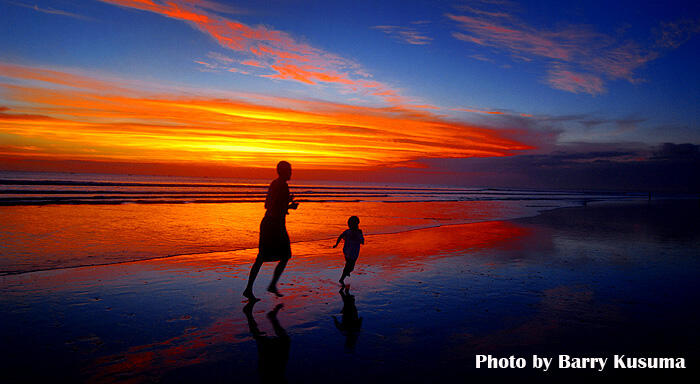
x,y
362,238
339,238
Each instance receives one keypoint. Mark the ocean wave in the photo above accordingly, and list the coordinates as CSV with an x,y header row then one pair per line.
x,y
55,191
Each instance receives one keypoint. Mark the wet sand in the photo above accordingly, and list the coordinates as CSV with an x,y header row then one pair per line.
x,y
591,281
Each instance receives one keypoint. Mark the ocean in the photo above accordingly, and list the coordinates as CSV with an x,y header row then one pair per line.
x,y
62,220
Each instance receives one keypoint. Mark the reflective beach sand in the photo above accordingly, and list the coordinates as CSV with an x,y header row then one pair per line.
x,y
591,281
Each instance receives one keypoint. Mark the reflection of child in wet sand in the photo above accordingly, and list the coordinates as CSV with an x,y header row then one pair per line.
x,y
351,322
351,249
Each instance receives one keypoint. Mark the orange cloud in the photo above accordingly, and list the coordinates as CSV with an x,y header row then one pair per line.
x,y
308,74
54,77
269,49
99,121
252,63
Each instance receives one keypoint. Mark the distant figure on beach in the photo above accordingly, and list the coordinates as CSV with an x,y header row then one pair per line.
x,y
274,243
351,248
273,351
351,322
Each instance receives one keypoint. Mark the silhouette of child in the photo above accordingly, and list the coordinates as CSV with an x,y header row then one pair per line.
x,y
351,249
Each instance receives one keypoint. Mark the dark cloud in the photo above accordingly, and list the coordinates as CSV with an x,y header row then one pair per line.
x,y
589,123
668,167
609,155
677,152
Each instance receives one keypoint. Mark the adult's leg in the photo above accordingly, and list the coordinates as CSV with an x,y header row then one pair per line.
x,y
251,279
276,276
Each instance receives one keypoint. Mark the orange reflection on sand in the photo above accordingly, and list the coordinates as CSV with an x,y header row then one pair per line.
x,y
308,283
73,235
153,359
388,255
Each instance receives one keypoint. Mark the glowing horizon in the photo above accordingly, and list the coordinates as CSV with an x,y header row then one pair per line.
x,y
98,119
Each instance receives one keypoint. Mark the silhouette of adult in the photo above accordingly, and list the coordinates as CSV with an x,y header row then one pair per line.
x,y
274,240
273,351
351,322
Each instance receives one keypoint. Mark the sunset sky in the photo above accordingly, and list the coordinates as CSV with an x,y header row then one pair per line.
x,y
492,92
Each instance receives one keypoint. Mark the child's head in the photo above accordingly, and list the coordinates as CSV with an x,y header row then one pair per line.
x,y
353,222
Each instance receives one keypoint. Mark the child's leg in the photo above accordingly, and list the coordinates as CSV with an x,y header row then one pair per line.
x,y
349,267
350,264
343,275
346,273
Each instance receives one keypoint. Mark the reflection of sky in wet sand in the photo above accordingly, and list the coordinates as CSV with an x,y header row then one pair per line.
x,y
54,236
429,299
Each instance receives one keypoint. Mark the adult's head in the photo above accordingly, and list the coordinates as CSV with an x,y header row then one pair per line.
x,y
284,170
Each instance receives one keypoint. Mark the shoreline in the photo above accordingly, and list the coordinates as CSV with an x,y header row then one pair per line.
x,y
541,212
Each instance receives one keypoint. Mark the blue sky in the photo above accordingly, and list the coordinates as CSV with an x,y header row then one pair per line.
x,y
571,72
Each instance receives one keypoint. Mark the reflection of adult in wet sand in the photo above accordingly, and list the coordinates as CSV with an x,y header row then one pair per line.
x,y
274,239
351,323
273,351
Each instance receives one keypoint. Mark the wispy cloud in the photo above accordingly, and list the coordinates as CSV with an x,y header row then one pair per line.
x,y
55,77
64,115
674,34
50,11
575,82
408,35
476,110
253,63
219,8
278,54
481,58
580,58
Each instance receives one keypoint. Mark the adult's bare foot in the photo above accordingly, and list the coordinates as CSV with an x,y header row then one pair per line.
x,y
250,296
273,289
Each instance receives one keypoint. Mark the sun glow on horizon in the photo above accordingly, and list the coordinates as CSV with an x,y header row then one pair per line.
x,y
89,119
